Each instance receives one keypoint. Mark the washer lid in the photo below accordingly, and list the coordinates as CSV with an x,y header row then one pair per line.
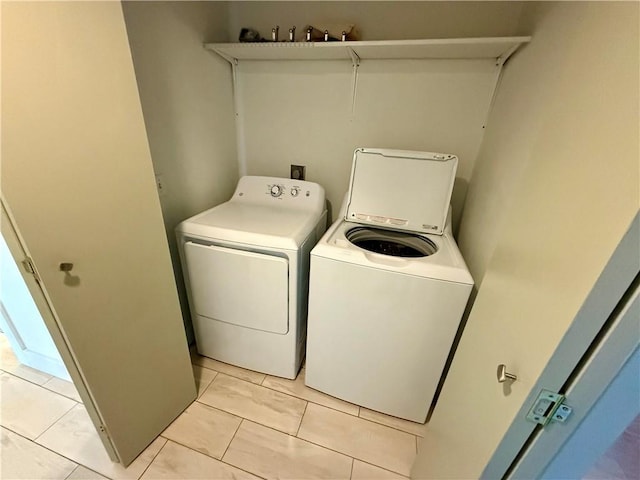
x,y
400,189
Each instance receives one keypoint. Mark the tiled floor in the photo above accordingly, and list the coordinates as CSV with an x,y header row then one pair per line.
x,y
243,425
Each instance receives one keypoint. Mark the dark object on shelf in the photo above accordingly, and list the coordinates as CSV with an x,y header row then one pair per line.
x,y
249,35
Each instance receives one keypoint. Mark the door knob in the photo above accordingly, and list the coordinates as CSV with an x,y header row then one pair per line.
x,y
66,267
503,375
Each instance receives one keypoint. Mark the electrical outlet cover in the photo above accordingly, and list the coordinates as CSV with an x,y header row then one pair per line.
x,y
297,172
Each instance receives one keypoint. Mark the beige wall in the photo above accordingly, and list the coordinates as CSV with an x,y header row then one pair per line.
x,y
186,95
390,20
78,179
300,112
558,181
525,107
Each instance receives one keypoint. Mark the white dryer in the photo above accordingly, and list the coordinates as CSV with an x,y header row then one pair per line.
x,y
388,285
246,268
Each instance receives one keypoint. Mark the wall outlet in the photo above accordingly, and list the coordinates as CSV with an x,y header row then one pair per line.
x,y
297,172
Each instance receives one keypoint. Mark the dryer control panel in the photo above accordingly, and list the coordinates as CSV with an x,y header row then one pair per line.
x,y
280,192
277,190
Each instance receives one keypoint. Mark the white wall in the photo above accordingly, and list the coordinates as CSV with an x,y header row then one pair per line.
x,y
300,112
568,142
186,96
387,20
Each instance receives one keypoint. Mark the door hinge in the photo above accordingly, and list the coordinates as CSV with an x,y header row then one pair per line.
x,y
549,406
103,430
28,265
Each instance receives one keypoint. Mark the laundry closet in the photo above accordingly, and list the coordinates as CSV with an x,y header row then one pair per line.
x,y
312,103
541,136
423,79
506,132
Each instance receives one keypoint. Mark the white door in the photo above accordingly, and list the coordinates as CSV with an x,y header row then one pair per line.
x,y
78,180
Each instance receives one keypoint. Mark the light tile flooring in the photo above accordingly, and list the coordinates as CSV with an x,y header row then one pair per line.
x,y
244,425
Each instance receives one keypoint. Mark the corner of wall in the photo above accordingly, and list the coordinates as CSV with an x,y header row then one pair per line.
x,y
186,97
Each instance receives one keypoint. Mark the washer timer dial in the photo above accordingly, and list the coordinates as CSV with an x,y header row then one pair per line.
x,y
295,191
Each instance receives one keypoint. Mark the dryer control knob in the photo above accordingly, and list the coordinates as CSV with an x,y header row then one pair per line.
x,y
295,191
276,190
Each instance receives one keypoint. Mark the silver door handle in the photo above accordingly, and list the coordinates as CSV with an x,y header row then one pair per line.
x,y
66,267
503,375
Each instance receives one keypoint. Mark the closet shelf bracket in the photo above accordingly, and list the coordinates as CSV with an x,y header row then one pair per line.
x,y
355,62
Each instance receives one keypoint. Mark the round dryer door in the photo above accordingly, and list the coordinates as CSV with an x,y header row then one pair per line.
x,y
387,242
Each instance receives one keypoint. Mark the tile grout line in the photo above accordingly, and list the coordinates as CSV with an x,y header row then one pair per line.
x,y
166,440
353,461
56,421
277,431
218,410
297,438
44,447
347,455
381,468
61,394
212,457
307,402
318,391
26,379
391,426
319,404
302,418
235,376
76,468
221,459
204,389
232,438
235,433
41,385
86,468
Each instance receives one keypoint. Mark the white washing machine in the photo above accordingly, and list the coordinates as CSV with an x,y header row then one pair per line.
x,y
246,268
388,285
